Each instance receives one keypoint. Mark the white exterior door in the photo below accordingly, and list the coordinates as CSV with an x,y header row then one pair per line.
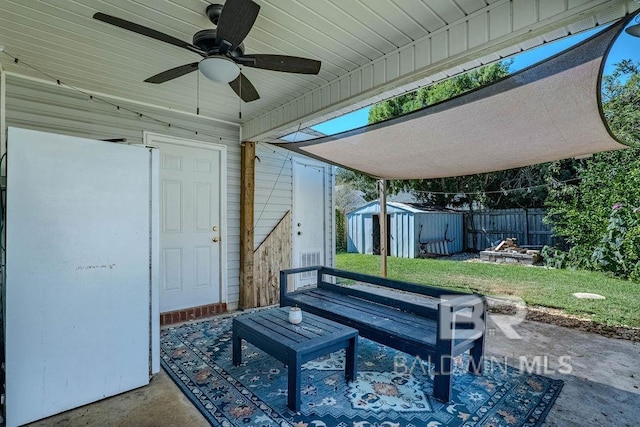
x,y
309,216
191,223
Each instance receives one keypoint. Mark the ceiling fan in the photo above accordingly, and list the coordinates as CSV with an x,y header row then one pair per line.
x,y
222,49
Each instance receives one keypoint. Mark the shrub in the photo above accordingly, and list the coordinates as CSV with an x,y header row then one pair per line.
x,y
341,232
597,218
617,251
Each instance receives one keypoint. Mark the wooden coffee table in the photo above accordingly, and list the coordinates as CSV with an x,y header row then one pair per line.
x,y
294,345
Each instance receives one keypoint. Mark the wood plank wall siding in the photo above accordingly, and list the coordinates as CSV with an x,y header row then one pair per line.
x,y
273,255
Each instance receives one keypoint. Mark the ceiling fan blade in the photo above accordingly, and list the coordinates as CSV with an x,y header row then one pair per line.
x,y
235,22
284,63
173,73
249,93
145,31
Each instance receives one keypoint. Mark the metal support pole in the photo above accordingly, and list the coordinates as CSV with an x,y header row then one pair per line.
x,y
382,186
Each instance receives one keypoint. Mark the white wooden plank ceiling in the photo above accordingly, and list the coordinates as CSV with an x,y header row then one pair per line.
x,y
369,49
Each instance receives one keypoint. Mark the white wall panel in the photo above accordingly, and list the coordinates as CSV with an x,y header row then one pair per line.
x,y
500,21
525,13
423,53
379,72
549,8
458,38
439,46
407,62
392,63
478,30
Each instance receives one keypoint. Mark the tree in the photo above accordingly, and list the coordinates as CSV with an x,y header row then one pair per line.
x,y
341,231
621,101
598,215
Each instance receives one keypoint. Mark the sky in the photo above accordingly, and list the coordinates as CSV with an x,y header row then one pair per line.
x,y
624,47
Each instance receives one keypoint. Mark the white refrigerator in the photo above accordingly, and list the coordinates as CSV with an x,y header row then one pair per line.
x,y
81,320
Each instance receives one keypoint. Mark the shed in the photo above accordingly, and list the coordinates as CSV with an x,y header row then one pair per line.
x,y
414,230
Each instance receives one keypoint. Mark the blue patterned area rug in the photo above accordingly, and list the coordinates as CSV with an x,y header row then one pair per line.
x,y
392,388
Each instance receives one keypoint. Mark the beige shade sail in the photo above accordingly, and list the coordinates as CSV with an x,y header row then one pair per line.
x,y
549,111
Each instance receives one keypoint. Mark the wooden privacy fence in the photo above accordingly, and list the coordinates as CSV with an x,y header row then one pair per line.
x,y
484,228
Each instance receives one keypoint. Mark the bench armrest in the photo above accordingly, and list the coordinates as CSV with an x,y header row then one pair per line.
x,y
284,278
300,270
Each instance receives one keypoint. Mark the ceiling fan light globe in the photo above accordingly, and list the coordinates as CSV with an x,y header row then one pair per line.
x,y
219,69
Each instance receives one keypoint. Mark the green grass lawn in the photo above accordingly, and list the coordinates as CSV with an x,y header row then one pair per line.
x,y
537,286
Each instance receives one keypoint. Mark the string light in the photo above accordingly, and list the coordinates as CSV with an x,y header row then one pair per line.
x,y
92,98
430,194
503,191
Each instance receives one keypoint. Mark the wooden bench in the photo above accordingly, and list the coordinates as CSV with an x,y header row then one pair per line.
x,y
408,317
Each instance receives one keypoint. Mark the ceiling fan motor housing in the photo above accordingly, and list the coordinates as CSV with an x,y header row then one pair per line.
x,y
206,40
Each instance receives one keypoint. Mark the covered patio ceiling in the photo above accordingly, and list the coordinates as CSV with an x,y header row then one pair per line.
x,y
549,111
369,50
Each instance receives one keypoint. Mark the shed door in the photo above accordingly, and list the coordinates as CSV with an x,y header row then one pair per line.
x,y
376,234
309,215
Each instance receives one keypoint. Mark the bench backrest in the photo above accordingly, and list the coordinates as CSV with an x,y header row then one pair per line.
x,y
425,290
427,308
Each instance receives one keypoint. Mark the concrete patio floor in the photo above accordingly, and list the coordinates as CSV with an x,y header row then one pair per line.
x,y
602,383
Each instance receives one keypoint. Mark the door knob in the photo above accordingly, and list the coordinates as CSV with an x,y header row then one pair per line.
x,y
214,239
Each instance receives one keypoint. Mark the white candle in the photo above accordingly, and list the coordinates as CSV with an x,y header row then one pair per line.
x,y
295,315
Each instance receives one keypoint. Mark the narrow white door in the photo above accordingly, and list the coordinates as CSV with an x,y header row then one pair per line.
x,y
190,225
309,215
78,272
